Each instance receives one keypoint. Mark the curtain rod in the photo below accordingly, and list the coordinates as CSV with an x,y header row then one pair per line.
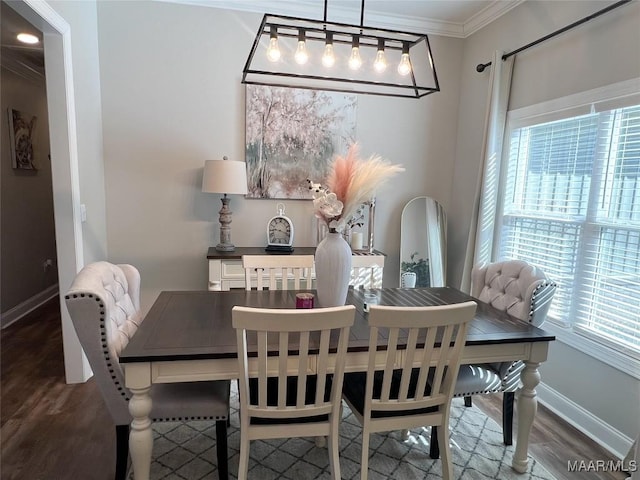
x,y
481,66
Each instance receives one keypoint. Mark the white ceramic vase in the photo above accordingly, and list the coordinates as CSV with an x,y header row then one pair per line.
x,y
333,270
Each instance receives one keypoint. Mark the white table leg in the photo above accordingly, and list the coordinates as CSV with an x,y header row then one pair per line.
x,y
141,435
527,407
138,380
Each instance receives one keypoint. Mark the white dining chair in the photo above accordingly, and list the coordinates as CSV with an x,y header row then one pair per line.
x,y
272,404
277,271
366,270
416,391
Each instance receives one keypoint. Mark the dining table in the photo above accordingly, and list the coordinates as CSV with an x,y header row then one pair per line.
x,y
188,336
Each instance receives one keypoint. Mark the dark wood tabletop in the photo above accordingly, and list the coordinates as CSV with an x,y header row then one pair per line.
x,y
193,325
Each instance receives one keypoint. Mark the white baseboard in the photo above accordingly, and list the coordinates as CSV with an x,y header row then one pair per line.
x,y
602,433
29,305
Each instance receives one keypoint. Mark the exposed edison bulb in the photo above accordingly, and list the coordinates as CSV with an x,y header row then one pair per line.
x,y
328,58
301,56
273,51
380,63
355,62
404,68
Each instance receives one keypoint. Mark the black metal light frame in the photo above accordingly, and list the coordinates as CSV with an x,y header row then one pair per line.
x,y
421,81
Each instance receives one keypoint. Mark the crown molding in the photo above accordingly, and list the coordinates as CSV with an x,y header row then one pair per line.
x,y
372,18
483,18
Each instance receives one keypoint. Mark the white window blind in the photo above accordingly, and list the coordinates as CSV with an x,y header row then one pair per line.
x,y
571,205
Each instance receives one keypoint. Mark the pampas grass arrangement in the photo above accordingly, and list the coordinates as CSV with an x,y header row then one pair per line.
x,y
351,182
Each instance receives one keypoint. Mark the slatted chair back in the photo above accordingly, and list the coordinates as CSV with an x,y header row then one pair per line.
x,y
304,401
435,339
271,270
366,270
415,386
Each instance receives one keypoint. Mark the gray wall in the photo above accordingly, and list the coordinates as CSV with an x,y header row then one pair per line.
x,y
601,52
172,97
27,229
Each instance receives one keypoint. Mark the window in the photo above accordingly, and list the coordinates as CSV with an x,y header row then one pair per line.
x,y
570,204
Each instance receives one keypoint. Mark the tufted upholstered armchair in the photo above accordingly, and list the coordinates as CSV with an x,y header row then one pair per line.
x,y
524,292
104,304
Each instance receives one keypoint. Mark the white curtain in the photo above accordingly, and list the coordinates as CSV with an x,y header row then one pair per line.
x,y
481,229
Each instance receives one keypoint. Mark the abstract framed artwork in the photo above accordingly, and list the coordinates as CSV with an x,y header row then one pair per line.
x,y
293,134
21,136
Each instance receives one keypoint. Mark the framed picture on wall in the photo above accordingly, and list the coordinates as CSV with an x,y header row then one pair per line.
x,y
21,137
293,134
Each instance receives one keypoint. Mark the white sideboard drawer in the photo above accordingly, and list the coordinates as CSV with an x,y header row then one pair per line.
x,y
232,270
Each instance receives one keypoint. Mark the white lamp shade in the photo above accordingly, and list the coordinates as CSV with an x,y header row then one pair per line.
x,y
224,176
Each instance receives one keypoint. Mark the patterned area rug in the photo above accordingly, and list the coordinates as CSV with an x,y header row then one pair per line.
x,y
186,451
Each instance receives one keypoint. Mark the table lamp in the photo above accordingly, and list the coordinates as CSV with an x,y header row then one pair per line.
x,y
227,177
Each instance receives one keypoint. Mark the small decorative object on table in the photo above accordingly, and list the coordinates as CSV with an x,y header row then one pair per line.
x,y
350,183
304,300
370,298
280,232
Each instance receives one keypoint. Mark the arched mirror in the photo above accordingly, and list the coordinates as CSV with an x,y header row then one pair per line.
x,y
423,246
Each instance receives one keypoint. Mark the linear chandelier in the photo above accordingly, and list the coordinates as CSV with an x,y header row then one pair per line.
x,y
322,55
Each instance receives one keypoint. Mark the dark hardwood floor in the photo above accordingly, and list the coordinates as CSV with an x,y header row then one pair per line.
x,y
554,442
49,430
54,431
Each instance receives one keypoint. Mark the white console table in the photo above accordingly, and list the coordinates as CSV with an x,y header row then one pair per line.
x,y
226,272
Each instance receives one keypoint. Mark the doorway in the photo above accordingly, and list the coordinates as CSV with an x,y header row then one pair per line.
x,y
64,164
28,248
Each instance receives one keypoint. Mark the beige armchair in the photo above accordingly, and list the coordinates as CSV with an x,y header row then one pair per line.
x,y
104,304
523,291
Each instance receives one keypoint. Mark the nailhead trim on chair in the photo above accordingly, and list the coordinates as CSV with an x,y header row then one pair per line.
x,y
535,293
506,379
517,365
103,340
120,387
105,348
188,419
468,394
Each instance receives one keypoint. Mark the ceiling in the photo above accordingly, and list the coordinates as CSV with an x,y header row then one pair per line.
x,y
456,18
